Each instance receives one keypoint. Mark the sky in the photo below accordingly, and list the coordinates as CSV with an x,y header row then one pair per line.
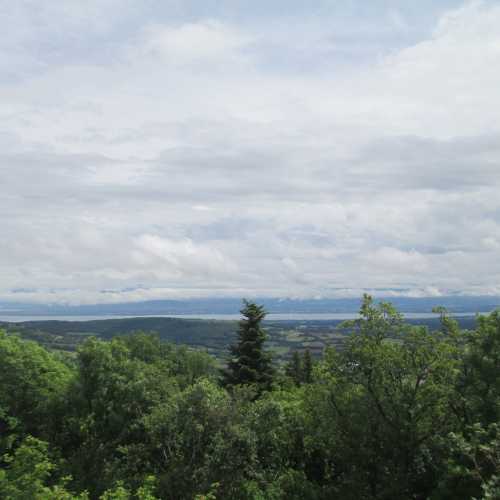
x,y
175,149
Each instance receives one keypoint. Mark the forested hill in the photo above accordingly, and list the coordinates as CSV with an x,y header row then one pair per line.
x,y
214,336
172,329
211,335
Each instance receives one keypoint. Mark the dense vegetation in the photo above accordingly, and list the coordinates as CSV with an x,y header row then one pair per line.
x,y
399,413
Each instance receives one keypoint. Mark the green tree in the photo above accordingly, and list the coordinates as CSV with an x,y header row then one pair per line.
x,y
307,369
473,468
300,369
113,391
480,383
27,472
33,383
250,363
294,368
381,406
185,434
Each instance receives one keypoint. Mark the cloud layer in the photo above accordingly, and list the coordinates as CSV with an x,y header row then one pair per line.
x,y
151,150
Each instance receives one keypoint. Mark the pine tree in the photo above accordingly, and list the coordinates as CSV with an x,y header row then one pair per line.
x,y
249,363
294,368
307,367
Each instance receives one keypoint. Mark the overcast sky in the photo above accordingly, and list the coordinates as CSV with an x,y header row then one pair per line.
x,y
175,148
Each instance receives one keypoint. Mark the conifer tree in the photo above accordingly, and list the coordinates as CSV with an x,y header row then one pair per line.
x,y
307,367
249,363
294,368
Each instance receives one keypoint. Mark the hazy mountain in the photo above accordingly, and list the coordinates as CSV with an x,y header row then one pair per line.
x,y
232,306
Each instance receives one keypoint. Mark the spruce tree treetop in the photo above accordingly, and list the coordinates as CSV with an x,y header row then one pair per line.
x,y
294,368
250,363
307,367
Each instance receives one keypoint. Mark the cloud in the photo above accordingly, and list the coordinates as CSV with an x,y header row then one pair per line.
x,y
186,154
193,43
414,163
181,258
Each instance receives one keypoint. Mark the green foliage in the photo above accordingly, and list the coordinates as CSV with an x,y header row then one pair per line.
x,y
300,370
32,385
294,368
119,384
481,368
120,492
27,473
307,370
387,396
183,432
473,465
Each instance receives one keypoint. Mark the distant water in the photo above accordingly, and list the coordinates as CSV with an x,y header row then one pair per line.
x,y
269,317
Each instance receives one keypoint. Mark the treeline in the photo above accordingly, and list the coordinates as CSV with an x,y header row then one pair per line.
x,y
399,413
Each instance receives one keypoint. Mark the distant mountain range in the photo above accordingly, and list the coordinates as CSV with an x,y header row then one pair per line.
x,y
456,304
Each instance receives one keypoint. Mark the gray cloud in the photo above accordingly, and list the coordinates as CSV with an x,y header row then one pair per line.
x,y
200,154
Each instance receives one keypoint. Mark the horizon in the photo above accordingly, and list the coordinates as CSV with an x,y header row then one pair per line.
x,y
279,308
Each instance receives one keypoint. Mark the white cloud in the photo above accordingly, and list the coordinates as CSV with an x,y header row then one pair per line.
x,y
193,43
181,258
198,155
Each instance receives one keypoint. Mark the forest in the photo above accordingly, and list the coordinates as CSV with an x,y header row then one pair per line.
x,y
402,411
